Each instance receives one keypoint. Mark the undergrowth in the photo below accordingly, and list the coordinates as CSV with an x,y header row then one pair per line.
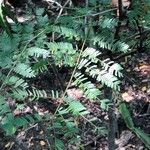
x,y
79,40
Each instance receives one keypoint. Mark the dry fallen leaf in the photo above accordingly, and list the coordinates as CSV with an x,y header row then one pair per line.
x,y
42,143
27,110
41,132
125,136
21,136
126,97
148,91
75,93
144,89
144,69
8,145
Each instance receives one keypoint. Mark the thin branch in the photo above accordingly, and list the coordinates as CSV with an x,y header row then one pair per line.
x,y
96,14
61,10
86,18
103,12
137,35
69,83
53,1
120,13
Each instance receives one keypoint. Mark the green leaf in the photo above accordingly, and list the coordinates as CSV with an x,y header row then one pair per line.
x,y
59,144
105,104
24,70
7,124
38,52
75,107
126,115
143,136
128,120
9,128
20,122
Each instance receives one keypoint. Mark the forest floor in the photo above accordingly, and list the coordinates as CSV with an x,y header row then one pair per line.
x,y
136,92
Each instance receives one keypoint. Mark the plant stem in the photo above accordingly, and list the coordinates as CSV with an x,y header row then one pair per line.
x,y
111,117
82,48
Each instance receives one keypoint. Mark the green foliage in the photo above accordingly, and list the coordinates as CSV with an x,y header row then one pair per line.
x,y
38,52
109,72
59,144
63,53
105,104
3,21
68,41
75,107
10,124
16,68
37,94
24,70
88,87
64,129
126,115
67,32
128,120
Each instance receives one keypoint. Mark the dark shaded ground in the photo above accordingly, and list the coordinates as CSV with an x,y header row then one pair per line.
x,y
136,94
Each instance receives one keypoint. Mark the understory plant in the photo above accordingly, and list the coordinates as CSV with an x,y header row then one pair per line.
x,y
88,42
